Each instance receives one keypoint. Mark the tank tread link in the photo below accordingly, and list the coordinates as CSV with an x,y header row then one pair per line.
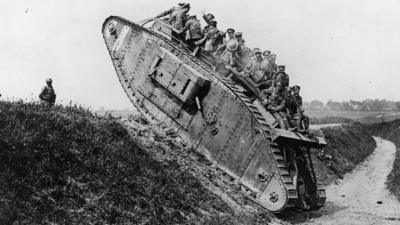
x,y
214,114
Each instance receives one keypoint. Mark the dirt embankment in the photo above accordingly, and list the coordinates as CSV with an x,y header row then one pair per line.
x,y
68,166
390,131
348,145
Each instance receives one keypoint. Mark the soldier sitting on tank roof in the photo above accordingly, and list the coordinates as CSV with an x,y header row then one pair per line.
x,y
274,102
282,76
303,122
266,64
193,31
245,53
291,108
257,70
271,61
229,59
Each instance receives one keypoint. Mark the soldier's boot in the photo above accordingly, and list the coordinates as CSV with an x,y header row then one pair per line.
x,y
280,120
306,122
298,124
286,122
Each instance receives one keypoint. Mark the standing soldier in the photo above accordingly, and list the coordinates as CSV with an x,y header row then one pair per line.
x,y
180,7
207,18
245,53
213,38
47,95
302,121
221,48
178,20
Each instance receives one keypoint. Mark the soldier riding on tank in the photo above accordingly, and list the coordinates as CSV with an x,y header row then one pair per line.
x,y
229,59
193,31
282,76
302,120
258,71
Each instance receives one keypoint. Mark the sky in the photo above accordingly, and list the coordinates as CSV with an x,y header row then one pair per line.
x,y
334,49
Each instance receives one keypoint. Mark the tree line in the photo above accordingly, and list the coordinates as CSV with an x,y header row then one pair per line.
x,y
365,105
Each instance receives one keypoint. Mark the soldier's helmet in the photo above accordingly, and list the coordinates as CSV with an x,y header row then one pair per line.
x,y
257,50
49,80
184,5
230,30
266,52
296,87
210,16
238,34
232,45
213,23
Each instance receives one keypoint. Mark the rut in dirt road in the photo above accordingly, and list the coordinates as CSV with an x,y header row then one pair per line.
x,y
362,197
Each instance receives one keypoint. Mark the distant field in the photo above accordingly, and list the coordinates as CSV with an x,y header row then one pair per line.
x,y
360,116
345,114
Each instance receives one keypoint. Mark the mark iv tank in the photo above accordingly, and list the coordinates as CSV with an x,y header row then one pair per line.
x,y
221,119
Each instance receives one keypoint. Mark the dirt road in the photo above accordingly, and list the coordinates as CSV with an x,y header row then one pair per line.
x,y
319,126
361,197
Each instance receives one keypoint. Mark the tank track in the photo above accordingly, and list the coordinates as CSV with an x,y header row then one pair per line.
x,y
237,90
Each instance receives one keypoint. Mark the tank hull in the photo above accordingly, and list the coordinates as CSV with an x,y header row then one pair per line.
x,y
212,113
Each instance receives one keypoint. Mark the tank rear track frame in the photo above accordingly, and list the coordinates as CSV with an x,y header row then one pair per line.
x,y
279,178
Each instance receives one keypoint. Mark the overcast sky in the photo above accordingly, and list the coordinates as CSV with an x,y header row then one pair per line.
x,y
336,49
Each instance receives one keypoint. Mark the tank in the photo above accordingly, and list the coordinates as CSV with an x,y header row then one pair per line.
x,y
223,120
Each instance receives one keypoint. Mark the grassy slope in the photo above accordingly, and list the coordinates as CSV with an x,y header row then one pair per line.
x,y
390,131
347,146
68,166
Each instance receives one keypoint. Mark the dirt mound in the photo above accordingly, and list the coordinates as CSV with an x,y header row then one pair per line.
x,y
390,131
66,165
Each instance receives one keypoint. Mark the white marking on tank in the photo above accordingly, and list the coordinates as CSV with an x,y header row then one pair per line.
x,y
121,37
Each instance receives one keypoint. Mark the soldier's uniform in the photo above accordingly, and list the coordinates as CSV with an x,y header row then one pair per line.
x,y
279,108
178,19
229,58
291,108
180,7
213,38
47,95
271,61
257,70
302,120
193,31
207,18
281,76
221,48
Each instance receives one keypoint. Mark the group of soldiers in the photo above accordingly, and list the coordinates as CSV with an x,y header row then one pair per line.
x,y
232,57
